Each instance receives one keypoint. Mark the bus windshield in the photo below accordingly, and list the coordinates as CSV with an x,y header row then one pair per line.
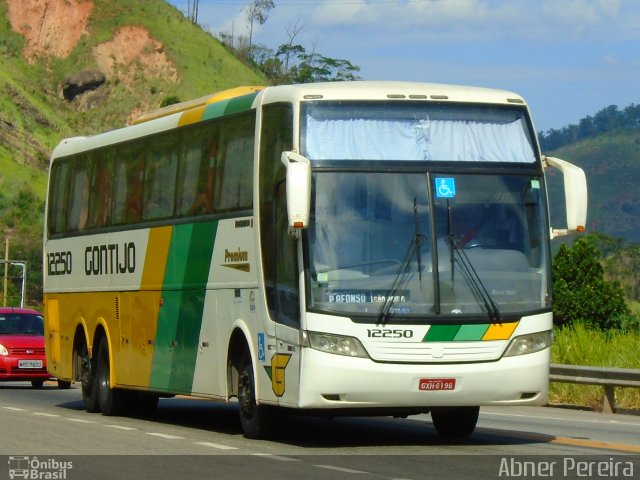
x,y
411,131
475,245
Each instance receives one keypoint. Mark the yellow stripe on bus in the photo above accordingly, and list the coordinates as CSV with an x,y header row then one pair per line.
x,y
500,331
191,116
156,259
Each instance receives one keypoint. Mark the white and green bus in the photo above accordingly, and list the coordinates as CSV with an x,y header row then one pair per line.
x,y
349,248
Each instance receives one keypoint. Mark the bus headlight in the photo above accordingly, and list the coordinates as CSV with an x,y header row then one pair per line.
x,y
336,344
531,343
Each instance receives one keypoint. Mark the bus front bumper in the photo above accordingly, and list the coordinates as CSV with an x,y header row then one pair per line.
x,y
330,381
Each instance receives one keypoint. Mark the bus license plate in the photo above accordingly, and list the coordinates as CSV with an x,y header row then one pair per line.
x,y
29,363
432,384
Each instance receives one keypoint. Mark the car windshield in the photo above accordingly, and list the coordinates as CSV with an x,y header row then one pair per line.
x,y
427,244
21,324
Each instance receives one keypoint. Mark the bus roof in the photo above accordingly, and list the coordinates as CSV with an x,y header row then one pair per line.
x,y
390,90
240,99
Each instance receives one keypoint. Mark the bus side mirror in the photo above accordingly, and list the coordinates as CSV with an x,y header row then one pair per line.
x,y
575,192
298,182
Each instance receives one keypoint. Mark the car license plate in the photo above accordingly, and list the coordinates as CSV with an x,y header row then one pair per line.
x,y
432,384
29,363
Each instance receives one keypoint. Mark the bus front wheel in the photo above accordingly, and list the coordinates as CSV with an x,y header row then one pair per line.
x,y
255,419
455,422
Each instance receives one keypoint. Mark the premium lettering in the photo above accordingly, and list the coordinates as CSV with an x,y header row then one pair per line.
x,y
236,256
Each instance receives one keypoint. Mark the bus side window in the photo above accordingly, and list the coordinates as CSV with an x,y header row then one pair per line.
x,y
160,178
236,158
57,204
79,197
127,189
198,171
100,192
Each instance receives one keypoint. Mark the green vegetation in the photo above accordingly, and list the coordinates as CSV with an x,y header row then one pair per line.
x,y
608,119
583,345
582,294
595,326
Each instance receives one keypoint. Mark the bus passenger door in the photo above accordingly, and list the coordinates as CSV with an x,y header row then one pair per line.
x,y
285,364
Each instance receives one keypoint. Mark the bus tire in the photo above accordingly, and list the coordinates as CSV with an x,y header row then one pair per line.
x,y
255,419
89,382
112,401
455,422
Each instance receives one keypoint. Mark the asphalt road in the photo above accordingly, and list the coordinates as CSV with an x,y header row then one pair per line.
x,y
189,438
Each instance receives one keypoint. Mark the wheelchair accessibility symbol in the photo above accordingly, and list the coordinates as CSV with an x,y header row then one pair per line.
x,y
445,187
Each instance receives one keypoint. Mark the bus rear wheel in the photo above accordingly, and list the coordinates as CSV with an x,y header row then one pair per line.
x,y
256,420
89,381
455,422
111,400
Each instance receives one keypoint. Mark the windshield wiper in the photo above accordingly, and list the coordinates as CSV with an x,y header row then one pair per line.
x,y
417,237
469,272
473,278
415,247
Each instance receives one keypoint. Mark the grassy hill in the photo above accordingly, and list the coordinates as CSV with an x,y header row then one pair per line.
x,y
611,162
148,51
35,117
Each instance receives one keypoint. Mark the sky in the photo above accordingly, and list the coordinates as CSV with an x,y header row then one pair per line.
x,y
567,58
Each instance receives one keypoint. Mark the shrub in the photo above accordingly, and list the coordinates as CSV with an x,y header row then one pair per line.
x,y
580,291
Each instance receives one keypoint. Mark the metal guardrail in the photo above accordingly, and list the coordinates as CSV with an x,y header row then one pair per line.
x,y
609,378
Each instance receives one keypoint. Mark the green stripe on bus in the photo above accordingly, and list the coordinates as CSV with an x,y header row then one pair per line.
x,y
441,333
240,104
227,107
180,316
215,110
471,332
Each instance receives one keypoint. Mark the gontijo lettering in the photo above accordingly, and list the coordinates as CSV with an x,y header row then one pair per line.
x,y
109,259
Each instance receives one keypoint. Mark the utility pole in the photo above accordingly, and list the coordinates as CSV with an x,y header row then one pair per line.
x,y
6,271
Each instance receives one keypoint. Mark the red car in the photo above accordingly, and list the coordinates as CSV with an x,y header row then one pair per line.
x,y
22,355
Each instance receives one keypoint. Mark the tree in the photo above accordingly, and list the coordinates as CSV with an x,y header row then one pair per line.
x,y
258,11
580,291
292,64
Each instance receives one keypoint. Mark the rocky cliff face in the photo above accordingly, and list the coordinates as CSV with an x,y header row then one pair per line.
x,y
52,28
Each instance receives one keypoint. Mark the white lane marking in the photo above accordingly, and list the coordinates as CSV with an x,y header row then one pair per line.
x,y
542,417
165,435
120,427
275,457
217,445
43,414
14,409
339,469
81,420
